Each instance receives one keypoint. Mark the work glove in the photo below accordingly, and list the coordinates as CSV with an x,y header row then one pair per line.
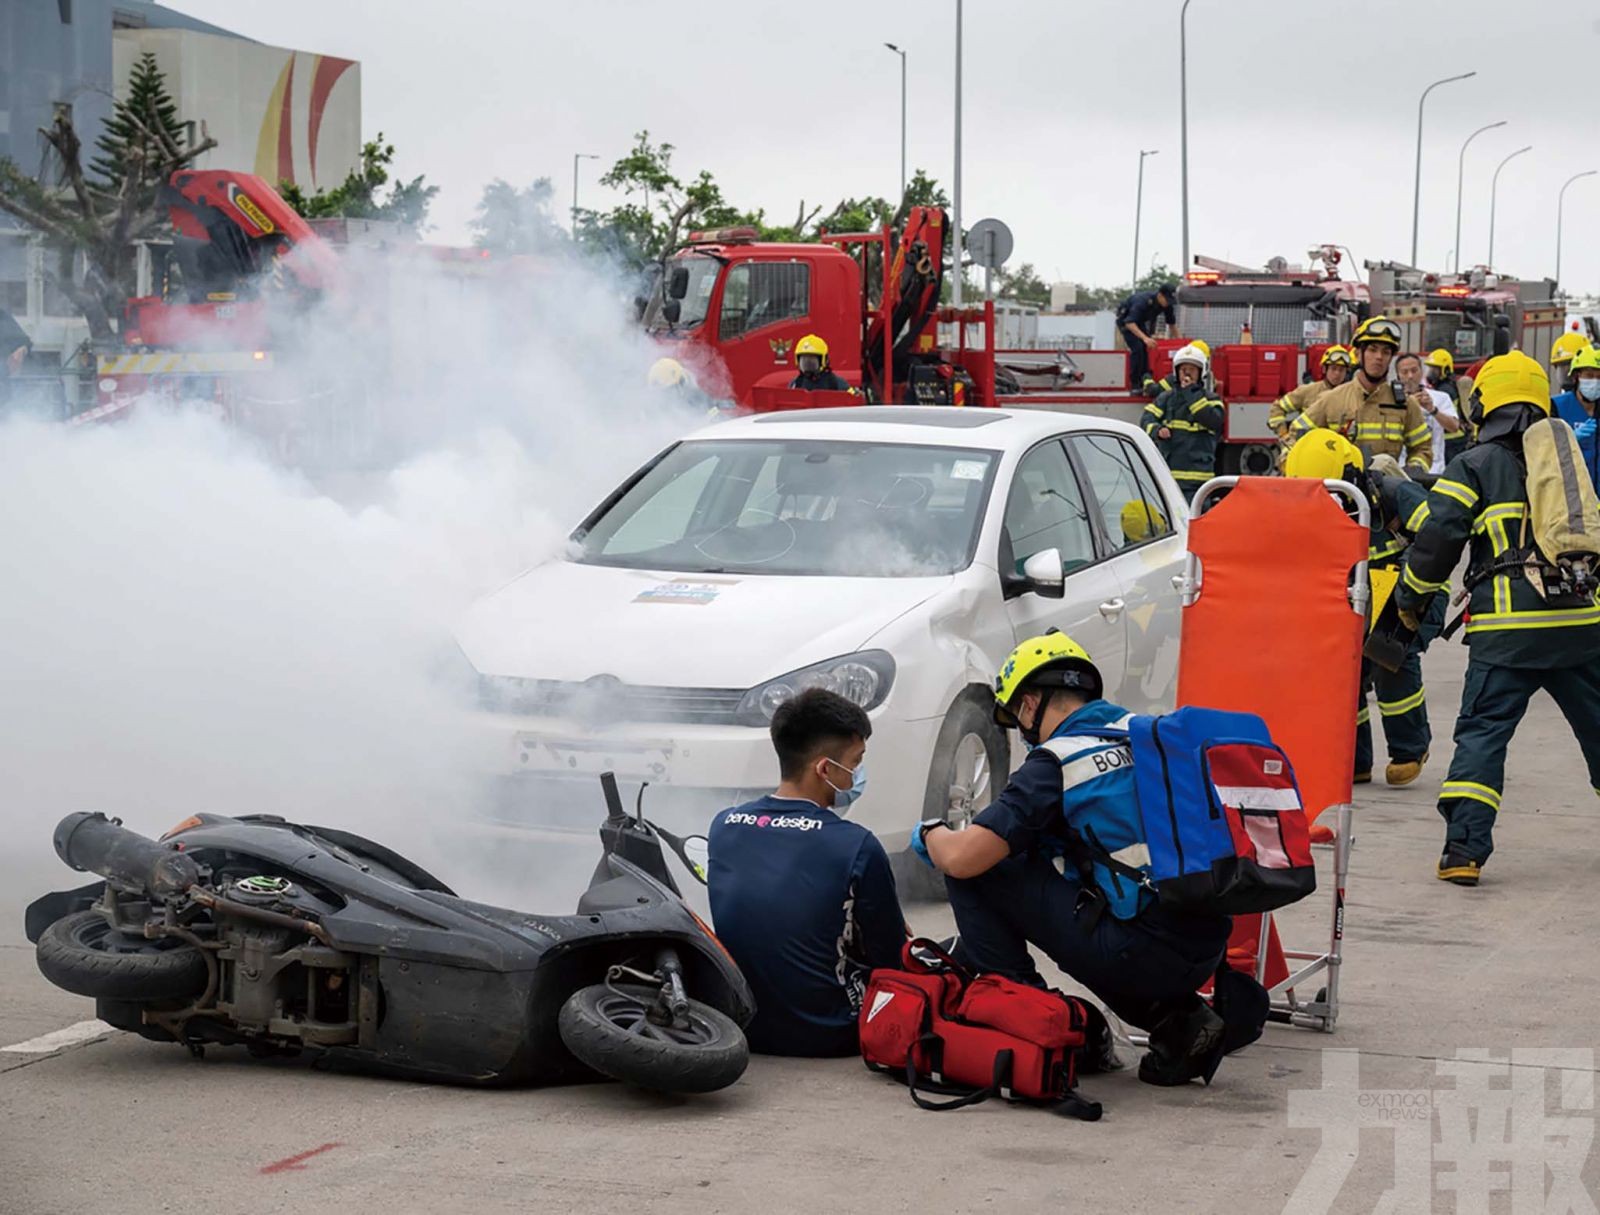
x,y
919,842
1409,620
1584,429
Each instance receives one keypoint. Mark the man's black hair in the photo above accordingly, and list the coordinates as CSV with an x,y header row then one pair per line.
x,y
813,723
1409,354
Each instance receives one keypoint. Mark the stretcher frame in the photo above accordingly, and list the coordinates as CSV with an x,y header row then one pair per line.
x,y
1322,1012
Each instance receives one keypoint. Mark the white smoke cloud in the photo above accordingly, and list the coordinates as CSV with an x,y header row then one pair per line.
x,y
187,624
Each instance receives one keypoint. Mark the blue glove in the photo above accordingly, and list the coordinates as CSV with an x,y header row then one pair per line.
x,y
1585,430
919,842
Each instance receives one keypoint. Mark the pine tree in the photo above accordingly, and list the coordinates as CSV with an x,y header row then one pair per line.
x,y
133,132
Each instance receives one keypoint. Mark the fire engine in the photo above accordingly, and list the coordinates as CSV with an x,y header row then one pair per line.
x,y
1473,315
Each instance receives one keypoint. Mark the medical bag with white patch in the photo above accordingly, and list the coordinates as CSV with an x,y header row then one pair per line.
x,y
1226,830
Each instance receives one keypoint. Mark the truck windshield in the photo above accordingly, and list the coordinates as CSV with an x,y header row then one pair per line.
x,y
864,510
692,308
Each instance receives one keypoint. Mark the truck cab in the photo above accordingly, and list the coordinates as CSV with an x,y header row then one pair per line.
x,y
734,307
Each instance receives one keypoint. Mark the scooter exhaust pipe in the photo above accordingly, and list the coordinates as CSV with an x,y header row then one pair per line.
x,y
92,842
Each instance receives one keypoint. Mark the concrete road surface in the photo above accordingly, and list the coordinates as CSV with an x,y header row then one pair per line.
x,y
1462,1077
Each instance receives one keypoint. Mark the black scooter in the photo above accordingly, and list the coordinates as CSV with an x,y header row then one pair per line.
x,y
284,938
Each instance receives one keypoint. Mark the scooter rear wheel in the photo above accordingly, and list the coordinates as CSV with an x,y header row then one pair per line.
x,y
606,1028
84,954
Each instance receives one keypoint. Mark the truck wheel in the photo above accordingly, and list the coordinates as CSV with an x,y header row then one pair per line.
x,y
605,1027
83,954
1258,460
970,761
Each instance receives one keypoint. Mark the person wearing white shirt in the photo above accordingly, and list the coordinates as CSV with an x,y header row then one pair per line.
x,y
1435,405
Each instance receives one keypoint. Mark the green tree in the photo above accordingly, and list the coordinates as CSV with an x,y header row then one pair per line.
x,y
1156,276
510,220
1023,285
101,218
358,196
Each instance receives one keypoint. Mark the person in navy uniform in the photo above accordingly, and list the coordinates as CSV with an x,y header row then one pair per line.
x,y
803,899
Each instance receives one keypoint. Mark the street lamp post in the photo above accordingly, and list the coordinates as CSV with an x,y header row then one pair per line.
x,y
576,157
1183,122
1561,199
902,55
1494,187
955,193
1416,192
1461,168
1138,208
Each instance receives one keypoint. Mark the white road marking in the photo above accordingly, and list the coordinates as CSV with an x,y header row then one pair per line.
x,y
60,1039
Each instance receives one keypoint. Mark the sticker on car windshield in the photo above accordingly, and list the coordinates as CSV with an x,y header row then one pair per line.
x,y
698,593
968,470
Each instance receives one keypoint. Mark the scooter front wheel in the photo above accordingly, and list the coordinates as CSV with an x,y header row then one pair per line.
x,y
607,1027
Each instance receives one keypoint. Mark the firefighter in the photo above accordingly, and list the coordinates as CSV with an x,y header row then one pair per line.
x,y
1399,506
811,356
1367,410
1136,319
1562,351
1517,642
1440,367
1336,364
1010,885
1584,407
1154,387
1186,421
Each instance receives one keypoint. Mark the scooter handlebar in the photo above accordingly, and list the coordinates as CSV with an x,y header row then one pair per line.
x,y
90,841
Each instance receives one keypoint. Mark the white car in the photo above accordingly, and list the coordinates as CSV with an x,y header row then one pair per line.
x,y
892,553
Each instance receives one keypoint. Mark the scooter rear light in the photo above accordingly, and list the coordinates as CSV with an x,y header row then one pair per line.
x,y
706,928
191,821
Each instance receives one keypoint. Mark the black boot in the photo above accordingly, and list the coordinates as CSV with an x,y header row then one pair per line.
x,y
1100,1045
1184,1046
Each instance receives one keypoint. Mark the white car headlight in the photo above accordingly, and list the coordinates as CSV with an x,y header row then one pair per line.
x,y
863,678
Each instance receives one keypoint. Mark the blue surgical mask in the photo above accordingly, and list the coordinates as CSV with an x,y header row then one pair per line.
x,y
1589,389
843,799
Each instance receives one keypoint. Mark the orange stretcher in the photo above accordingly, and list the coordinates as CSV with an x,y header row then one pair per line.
x,y
1275,611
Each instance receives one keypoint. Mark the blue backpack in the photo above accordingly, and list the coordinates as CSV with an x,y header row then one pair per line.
x,y
1222,816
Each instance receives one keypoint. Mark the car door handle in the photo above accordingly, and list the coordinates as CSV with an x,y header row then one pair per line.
x,y
1112,607
1179,581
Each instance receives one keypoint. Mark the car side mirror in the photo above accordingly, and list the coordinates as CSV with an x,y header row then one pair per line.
x,y
672,310
1045,574
678,283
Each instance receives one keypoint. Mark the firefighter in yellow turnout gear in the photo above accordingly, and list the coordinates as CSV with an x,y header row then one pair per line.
x,y
1369,410
1519,639
1186,421
1286,410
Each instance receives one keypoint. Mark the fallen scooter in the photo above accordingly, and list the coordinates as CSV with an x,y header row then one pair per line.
x,y
283,938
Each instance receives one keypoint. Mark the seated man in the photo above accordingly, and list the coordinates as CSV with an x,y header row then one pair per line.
x,y
1025,872
805,901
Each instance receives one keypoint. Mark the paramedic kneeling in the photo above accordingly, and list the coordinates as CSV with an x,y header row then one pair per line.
x,y
1025,872
805,901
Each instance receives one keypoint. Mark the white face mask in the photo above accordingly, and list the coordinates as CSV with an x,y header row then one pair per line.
x,y
1589,388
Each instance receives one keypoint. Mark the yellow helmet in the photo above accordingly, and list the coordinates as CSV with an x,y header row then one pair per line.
x,y
1441,359
1338,356
1511,379
1566,347
1142,520
1205,346
811,344
1050,660
1376,331
1322,455
667,373
1587,359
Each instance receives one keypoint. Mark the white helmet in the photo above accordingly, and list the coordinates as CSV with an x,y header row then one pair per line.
x,y
1193,355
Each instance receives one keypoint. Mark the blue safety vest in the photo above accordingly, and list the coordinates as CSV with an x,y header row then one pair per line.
x,y
1100,800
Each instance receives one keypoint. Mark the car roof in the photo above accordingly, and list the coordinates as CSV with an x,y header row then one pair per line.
x,y
930,425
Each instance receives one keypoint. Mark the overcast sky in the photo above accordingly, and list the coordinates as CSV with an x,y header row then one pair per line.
x,y
1302,114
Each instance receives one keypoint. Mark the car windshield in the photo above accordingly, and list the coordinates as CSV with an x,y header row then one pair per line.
x,y
692,308
867,510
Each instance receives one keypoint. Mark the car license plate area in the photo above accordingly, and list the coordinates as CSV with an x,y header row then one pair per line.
x,y
591,756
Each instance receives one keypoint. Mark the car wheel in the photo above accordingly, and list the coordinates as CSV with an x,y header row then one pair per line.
x,y
970,761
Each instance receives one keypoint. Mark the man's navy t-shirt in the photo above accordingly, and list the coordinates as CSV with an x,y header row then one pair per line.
x,y
806,904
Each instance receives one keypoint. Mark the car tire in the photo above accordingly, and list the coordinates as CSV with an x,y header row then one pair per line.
x,y
83,954
971,760
601,1025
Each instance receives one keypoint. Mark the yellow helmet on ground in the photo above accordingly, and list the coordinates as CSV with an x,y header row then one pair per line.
x,y
1566,347
1323,455
667,373
1051,660
1511,379
1587,359
1441,359
811,344
1142,520
1376,331
1338,356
